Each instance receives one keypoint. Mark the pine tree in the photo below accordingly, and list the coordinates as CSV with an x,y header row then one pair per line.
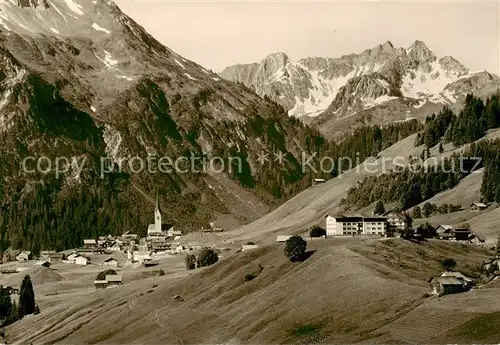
x,y
379,208
26,297
5,303
441,149
417,212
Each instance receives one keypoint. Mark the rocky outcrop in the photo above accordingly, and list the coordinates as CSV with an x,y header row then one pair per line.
x,y
82,80
324,87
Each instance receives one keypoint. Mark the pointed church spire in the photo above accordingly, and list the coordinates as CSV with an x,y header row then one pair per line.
x,y
158,221
157,205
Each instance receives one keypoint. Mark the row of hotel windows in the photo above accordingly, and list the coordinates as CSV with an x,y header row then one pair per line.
x,y
355,233
360,224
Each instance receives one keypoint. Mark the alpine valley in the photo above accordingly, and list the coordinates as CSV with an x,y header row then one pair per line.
x,y
80,80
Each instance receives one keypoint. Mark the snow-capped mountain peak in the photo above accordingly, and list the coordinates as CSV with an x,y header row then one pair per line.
x,y
68,18
316,85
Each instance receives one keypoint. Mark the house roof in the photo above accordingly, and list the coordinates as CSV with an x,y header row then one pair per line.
x,y
458,275
479,204
110,259
359,218
81,256
114,278
447,281
89,241
445,226
393,213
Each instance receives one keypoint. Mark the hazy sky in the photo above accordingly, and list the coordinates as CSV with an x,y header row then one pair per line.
x,y
217,34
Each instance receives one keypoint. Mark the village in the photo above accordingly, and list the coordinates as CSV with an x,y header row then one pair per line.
x,y
136,266
128,251
107,255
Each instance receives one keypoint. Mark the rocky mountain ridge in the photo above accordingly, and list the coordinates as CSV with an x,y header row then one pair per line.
x,y
333,89
81,80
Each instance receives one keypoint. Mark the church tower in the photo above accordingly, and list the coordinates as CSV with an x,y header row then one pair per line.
x,y
157,215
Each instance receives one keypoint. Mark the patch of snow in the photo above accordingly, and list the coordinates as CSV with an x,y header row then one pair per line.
x,y
108,60
112,139
216,79
150,151
420,104
372,102
384,83
73,6
279,75
450,95
321,94
54,30
205,71
96,27
4,25
189,76
93,108
405,120
437,98
125,77
52,5
177,62
424,84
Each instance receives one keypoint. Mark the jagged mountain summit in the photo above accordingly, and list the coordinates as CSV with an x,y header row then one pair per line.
x,y
330,88
81,80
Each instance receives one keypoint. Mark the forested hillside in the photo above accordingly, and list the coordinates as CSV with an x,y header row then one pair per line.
x,y
413,184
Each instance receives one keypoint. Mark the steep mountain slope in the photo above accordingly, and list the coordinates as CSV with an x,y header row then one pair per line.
x,y
286,303
81,81
308,208
407,82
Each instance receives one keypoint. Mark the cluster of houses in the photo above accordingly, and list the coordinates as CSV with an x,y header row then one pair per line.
x,y
110,281
462,234
389,224
450,282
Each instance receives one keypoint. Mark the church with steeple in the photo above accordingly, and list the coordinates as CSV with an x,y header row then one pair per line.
x,y
160,229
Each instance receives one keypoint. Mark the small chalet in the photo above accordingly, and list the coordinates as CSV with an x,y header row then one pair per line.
x,y
475,239
56,257
24,256
396,221
47,253
89,243
444,231
82,260
448,232
462,234
445,285
282,238
42,263
110,262
141,256
478,206
318,181
467,282
114,280
245,247
100,284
